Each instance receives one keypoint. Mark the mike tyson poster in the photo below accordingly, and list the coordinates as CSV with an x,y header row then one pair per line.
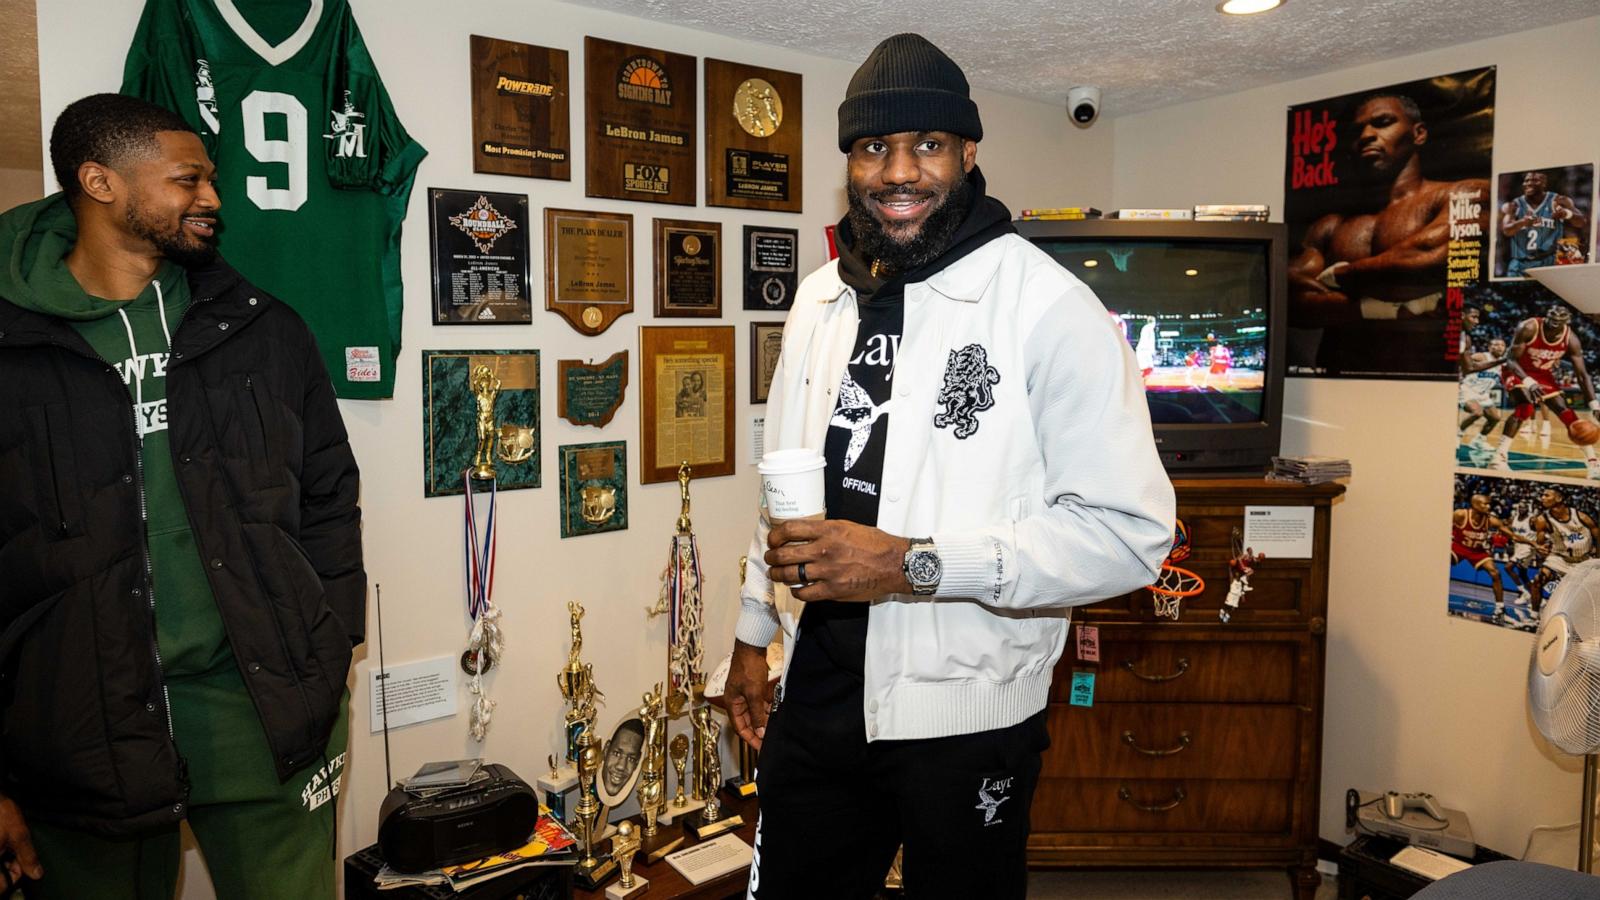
x,y
1387,203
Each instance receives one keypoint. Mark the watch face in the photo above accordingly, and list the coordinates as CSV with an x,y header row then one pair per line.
x,y
924,569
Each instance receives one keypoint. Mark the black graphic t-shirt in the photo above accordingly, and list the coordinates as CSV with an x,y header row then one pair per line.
x,y
853,450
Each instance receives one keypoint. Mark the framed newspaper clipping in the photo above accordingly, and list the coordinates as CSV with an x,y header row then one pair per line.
x,y
686,401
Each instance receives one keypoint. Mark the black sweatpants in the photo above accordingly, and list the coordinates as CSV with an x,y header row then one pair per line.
x,y
834,808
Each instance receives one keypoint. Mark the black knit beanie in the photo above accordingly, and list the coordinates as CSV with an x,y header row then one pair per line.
x,y
907,84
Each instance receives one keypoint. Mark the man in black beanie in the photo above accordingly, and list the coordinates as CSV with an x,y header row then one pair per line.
x,y
912,710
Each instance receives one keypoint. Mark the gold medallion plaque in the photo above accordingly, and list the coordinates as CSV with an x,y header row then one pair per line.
x,y
588,266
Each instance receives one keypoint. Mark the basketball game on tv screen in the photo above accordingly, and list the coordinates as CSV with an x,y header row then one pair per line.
x,y
1195,314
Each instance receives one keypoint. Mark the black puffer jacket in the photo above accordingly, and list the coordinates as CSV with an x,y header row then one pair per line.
x,y
270,487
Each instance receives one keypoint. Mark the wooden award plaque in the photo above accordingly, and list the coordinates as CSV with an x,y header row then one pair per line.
x,y
588,267
639,122
753,137
688,267
520,119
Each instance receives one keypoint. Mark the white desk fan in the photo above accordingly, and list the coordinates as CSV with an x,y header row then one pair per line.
x,y
1564,684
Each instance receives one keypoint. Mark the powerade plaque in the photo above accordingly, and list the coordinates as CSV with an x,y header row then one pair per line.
x,y
519,110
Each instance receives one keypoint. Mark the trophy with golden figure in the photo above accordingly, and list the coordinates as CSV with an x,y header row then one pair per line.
x,y
576,683
652,791
680,601
590,872
710,822
624,844
485,388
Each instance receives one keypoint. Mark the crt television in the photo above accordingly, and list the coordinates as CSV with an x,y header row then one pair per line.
x,y
1202,304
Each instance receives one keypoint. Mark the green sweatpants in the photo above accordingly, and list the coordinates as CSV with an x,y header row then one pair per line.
x,y
261,840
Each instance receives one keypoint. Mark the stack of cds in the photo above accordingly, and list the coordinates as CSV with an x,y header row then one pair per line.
x,y
1308,469
1231,212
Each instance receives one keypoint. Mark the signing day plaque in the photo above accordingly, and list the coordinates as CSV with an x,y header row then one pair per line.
x,y
752,137
519,110
639,123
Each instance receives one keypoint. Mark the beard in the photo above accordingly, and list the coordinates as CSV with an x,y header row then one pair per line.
x,y
876,241
190,251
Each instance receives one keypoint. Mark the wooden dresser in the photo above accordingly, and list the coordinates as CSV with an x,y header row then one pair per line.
x,y
1203,748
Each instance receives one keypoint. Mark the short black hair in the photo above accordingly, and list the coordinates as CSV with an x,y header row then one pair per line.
x,y
1408,105
108,129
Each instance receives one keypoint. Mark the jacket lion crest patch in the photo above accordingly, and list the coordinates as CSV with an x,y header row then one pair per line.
x,y
968,390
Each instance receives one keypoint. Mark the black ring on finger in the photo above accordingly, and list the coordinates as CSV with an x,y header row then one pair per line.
x,y
803,574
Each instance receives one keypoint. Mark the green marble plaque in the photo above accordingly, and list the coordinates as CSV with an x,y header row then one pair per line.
x,y
451,418
594,488
591,394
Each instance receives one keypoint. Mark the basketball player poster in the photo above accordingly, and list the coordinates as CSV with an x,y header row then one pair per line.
x,y
1542,218
1511,543
1527,495
1387,203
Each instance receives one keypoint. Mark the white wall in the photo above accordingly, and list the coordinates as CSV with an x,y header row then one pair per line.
x,y
1031,156
1415,700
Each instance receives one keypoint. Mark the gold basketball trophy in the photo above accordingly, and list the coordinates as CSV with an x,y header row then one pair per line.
x,y
590,872
681,603
576,683
711,822
485,388
653,779
624,844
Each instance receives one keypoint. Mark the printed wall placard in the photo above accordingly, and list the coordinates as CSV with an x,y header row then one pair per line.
x,y
1386,198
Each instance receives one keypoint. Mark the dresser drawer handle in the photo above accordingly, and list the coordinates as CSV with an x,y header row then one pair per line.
x,y
1178,797
1131,741
1183,666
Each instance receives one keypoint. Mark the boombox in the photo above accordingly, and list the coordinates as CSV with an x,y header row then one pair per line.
x,y
481,819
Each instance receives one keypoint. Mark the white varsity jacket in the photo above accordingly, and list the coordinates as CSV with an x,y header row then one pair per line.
x,y
1019,440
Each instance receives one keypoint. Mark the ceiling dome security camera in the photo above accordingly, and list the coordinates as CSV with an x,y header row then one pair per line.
x,y
1083,105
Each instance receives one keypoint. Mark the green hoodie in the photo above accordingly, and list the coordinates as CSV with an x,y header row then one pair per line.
x,y
214,722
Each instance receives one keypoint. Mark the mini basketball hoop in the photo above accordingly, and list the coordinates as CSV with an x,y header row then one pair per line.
x,y
1172,583
1171,586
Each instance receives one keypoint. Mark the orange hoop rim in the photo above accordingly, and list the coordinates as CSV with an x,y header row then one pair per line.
x,y
1184,575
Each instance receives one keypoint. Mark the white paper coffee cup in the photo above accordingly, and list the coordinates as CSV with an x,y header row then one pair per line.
x,y
792,481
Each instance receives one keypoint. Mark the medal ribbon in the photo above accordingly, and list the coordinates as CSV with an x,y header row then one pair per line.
x,y
480,553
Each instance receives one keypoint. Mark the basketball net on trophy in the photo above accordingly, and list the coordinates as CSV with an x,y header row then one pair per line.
x,y
1174,583
680,602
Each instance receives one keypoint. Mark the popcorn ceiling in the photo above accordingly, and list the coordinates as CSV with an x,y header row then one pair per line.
x,y
1144,54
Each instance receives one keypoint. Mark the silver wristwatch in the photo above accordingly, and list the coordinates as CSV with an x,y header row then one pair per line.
x,y
922,567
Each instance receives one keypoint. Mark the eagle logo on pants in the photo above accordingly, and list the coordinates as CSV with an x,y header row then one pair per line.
x,y
968,390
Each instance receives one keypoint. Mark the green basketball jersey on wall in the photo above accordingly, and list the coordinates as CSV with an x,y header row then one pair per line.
x,y
313,166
